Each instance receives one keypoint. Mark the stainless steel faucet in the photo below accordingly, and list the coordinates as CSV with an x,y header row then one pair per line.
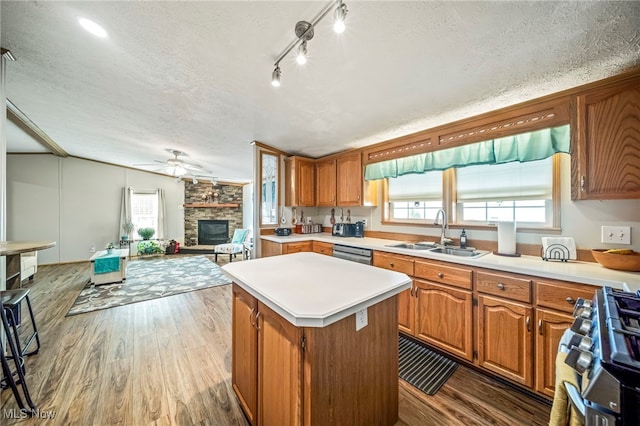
x,y
443,240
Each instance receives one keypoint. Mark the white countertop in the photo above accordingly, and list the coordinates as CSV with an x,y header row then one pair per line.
x,y
314,290
579,272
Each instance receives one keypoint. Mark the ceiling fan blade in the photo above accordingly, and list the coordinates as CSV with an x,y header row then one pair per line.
x,y
146,165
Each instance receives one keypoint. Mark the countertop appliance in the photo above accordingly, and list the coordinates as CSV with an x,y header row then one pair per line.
x,y
355,254
343,230
603,346
283,232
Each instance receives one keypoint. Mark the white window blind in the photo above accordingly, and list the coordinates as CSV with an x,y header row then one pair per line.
x,y
144,209
416,187
510,181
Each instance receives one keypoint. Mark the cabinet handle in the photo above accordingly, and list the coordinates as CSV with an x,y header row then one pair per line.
x,y
252,320
570,300
440,275
391,264
358,197
582,183
256,320
540,327
500,286
527,321
411,292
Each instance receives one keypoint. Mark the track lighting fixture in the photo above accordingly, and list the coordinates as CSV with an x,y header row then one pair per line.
x,y
194,180
304,32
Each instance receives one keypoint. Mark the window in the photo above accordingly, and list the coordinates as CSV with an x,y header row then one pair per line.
x,y
415,197
520,192
144,210
269,189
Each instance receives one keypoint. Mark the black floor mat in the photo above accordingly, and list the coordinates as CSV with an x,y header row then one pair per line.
x,y
423,368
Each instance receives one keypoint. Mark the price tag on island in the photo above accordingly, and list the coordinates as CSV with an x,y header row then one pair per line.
x,y
361,319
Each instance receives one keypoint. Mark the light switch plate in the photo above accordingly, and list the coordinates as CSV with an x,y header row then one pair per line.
x,y
361,319
616,234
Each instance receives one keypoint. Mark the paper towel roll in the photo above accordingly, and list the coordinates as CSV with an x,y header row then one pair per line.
x,y
507,237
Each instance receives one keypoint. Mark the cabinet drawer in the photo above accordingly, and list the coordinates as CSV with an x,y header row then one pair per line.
x,y
323,248
296,247
560,295
433,271
504,286
395,262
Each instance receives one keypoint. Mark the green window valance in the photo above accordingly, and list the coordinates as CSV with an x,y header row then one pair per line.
x,y
523,147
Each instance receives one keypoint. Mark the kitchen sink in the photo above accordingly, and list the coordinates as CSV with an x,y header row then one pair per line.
x,y
413,246
472,253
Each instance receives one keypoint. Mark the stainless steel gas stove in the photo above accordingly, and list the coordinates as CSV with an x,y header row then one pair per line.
x,y
603,346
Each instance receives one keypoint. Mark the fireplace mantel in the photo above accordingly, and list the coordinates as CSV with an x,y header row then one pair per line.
x,y
208,205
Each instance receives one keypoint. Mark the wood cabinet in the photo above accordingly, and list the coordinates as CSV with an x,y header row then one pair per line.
x,y
297,247
555,301
443,317
406,300
349,179
505,340
323,248
311,375
270,248
606,143
326,183
244,351
12,265
300,182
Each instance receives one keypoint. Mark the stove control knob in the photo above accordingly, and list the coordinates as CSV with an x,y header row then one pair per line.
x,y
585,312
579,360
581,326
581,303
586,343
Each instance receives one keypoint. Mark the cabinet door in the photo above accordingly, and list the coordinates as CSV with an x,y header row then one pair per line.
x,y
550,327
443,318
406,311
349,180
280,367
270,248
607,143
300,181
505,339
244,351
323,248
326,183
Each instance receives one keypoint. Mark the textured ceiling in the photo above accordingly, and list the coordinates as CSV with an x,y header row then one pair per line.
x,y
195,76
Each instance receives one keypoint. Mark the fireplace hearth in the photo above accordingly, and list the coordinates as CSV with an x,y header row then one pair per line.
x,y
212,232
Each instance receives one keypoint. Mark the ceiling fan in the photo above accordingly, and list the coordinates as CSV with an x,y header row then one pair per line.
x,y
176,166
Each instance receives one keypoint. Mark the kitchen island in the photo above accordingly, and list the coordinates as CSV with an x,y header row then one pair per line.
x,y
315,340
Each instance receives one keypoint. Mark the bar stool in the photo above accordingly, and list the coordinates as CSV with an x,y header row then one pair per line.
x,y
11,300
13,354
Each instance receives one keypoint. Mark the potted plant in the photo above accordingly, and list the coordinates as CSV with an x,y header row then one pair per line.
x,y
110,247
127,228
146,233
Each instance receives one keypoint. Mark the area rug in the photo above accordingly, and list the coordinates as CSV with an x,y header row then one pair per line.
x,y
422,368
151,279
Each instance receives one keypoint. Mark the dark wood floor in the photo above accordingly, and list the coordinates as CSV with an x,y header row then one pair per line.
x,y
168,361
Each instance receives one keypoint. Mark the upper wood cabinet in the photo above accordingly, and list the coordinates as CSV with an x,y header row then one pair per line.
x,y
300,181
326,183
606,142
352,189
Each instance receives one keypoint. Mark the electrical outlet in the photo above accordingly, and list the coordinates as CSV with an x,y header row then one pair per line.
x,y
92,249
361,319
364,221
616,234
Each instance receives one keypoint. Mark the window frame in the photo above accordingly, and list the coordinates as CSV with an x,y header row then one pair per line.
x,y
261,222
451,207
135,192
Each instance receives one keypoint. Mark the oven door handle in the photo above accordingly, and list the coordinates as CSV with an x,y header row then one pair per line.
x,y
575,399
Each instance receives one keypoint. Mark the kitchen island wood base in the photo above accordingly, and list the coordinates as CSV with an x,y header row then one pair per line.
x,y
331,375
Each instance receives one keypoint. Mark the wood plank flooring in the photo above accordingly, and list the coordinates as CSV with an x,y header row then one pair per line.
x,y
168,362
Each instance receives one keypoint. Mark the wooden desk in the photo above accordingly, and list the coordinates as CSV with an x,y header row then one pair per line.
x,y
11,250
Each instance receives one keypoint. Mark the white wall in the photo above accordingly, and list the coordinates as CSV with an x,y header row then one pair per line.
x,y
76,203
580,219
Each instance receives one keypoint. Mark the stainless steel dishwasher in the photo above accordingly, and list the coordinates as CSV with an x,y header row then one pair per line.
x,y
354,254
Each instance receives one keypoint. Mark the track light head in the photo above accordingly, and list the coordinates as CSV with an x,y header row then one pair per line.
x,y
275,76
340,16
194,180
302,53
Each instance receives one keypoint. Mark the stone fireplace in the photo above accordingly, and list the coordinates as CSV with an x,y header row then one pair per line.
x,y
212,231
206,206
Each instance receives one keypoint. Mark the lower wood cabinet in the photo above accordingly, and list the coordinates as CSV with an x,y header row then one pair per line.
x,y
271,248
298,247
443,317
505,340
323,248
550,327
288,375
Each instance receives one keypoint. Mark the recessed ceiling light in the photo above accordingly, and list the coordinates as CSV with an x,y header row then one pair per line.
x,y
92,27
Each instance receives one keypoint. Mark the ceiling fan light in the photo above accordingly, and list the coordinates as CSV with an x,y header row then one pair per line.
x,y
92,27
179,170
275,76
340,15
